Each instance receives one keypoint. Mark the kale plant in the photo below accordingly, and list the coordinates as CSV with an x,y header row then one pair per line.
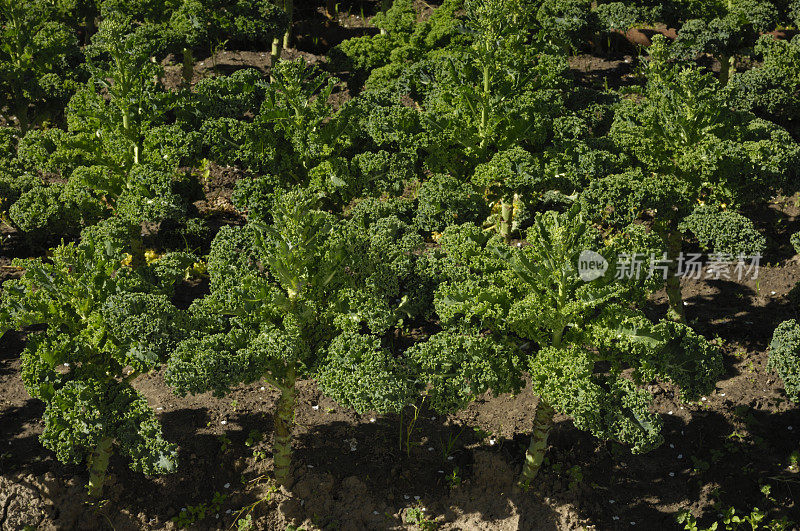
x,y
696,164
100,324
784,357
38,62
298,298
539,308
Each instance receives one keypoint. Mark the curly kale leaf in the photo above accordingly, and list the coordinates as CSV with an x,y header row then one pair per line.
x,y
213,362
56,209
724,231
444,200
459,367
146,327
359,373
82,413
609,408
784,357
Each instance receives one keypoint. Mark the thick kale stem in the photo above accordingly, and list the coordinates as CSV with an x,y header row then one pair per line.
x,y
506,218
673,281
287,37
284,419
557,335
274,56
98,465
188,66
727,67
542,424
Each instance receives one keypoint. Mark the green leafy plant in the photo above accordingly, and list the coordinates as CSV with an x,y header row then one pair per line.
x,y
489,96
38,60
768,91
416,516
506,310
275,313
101,317
194,513
784,357
795,241
724,29
696,165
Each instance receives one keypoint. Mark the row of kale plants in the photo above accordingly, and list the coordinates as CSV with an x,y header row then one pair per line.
x,y
455,192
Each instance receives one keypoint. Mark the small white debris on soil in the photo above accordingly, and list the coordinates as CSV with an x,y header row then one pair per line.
x,y
223,422
226,486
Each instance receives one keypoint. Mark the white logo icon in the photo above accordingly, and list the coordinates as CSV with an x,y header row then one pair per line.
x,y
591,266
